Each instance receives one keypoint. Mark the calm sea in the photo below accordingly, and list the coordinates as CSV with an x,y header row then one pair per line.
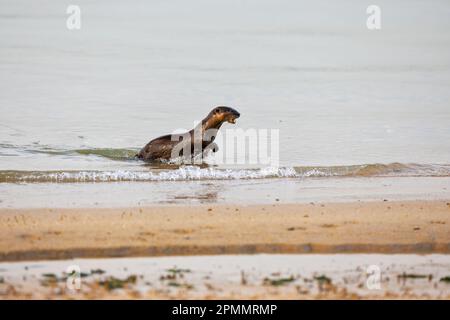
x,y
75,105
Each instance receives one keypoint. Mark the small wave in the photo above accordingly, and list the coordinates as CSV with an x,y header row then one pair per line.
x,y
181,174
378,170
189,173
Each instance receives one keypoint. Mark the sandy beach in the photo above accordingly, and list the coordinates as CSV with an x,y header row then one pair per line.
x,y
320,138
314,250
259,276
358,227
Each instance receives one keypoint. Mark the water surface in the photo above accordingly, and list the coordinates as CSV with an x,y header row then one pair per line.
x,y
76,105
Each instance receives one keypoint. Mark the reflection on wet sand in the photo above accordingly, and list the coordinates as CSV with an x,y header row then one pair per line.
x,y
235,276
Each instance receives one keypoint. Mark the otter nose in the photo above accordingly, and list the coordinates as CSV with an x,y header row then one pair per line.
x,y
237,114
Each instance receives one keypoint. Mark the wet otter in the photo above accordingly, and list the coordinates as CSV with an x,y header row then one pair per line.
x,y
196,141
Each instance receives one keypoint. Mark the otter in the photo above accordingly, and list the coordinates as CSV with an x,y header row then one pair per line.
x,y
198,140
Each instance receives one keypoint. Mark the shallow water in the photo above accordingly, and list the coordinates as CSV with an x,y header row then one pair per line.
x,y
76,105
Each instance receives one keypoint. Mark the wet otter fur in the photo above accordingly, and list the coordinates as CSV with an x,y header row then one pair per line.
x,y
162,148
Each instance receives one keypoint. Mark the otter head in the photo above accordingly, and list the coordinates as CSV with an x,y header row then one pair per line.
x,y
222,114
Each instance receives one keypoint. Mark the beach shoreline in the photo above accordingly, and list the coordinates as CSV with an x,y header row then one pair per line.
x,y
257,276
419,227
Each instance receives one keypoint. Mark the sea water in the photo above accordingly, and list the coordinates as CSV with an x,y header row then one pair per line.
x,y
348,102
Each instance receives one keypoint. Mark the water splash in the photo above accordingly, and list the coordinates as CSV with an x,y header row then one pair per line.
x,y
192,173
185,173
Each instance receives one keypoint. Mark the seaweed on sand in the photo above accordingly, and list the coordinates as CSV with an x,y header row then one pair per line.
x,y
97,271
278,281
180,285
176,270
174,273
405,276
113,283
323,279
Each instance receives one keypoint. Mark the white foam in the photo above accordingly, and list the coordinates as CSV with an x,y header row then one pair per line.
x,y
190,173
185,173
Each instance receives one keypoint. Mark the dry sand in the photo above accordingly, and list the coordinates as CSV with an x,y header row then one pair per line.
x,y
358,227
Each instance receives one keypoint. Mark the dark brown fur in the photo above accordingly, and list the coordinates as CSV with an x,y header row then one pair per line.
x,y
161,148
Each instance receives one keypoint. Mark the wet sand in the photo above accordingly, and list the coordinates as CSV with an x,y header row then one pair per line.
x,y
312,276
357,227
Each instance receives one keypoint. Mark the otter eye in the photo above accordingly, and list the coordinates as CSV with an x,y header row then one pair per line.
x,y
217,110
